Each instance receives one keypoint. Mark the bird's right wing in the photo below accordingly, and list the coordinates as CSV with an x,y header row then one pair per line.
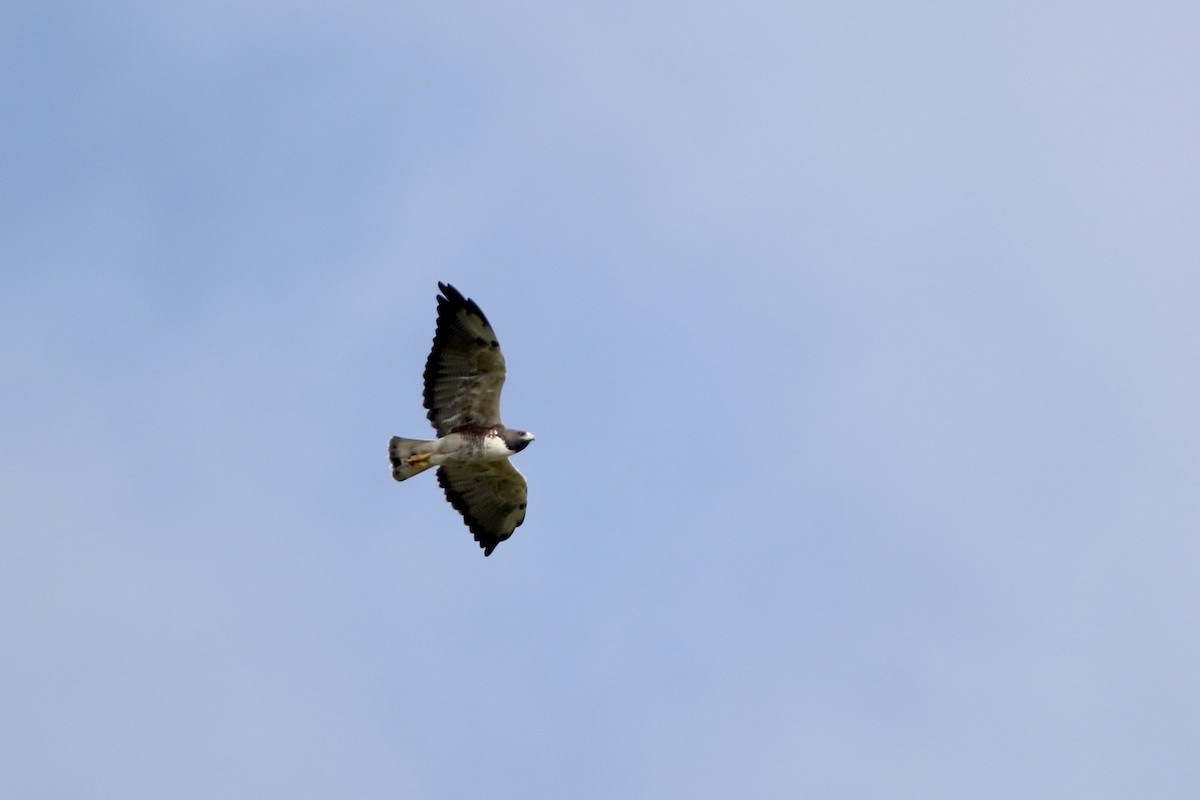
x,y
465,370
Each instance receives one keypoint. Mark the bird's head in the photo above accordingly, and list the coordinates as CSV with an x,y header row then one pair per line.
x,y
517,440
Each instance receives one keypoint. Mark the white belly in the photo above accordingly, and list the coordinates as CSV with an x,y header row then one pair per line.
x,y
458,448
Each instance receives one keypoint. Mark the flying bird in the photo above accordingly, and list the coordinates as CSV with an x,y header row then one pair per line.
x,y
463,378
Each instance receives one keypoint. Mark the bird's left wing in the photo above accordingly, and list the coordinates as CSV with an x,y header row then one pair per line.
x,y
491,497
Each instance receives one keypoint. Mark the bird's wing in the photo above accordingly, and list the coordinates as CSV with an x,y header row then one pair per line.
x,y
465,370
491,497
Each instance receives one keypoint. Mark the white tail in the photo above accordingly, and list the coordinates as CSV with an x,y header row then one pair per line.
x,y
409,456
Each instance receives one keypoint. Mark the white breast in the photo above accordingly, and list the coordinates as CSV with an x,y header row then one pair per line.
x,y
494,447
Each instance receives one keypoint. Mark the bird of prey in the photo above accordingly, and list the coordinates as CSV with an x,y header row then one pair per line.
x,y
463,378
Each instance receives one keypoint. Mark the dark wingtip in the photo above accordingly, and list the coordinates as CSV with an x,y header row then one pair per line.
x,y
454,300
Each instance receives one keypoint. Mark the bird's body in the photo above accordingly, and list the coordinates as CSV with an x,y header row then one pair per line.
x,y
467,446
463,378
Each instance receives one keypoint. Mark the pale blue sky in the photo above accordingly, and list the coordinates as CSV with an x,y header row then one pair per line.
x,y
860,340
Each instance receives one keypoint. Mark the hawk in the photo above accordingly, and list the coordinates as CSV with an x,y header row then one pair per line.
x,y
463,378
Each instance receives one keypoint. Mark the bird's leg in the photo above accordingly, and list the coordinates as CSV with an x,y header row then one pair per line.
x,y
417,459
